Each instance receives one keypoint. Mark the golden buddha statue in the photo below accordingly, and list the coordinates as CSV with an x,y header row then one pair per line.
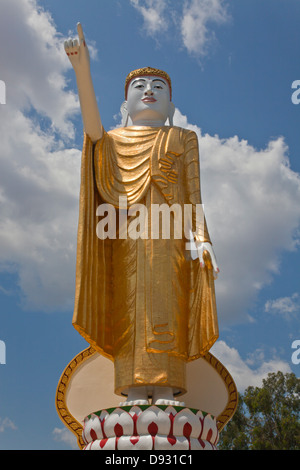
x,y
141,301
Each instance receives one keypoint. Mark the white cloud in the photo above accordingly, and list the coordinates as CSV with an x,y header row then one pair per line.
x,y
193,22
34,63
285,306
39,180
65,436
198,16
39,191
251,199
153,13
6,423
240,370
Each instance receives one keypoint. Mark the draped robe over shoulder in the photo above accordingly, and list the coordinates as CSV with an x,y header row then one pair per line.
x,y
143,303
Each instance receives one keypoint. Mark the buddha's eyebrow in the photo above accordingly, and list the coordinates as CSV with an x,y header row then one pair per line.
x,y
159,80
138,80
143,80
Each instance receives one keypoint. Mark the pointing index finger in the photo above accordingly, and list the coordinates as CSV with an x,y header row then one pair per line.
x,y
80,33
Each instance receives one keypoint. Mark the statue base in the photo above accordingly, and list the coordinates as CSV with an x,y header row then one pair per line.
x,y
150,427
87,384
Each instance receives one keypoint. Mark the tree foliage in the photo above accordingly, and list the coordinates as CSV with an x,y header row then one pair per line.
x,y
267,417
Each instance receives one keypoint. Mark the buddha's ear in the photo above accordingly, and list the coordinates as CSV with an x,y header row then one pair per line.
x,y
171,113
124,114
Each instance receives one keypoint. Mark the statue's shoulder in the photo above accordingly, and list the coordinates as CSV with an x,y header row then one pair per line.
x,y
116,131
118,134
182,134
179,129
183,131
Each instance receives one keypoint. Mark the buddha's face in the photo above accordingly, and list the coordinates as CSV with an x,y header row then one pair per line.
x,y
148,100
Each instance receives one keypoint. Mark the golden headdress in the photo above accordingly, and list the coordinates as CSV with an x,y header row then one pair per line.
x,y
144,72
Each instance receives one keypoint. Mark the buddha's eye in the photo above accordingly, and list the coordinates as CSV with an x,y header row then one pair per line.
x,y
159,87
139,86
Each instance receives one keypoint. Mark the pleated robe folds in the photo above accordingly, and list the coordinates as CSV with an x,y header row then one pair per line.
x,y
143,303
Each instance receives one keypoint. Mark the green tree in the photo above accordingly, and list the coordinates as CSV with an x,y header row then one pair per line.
x,y
267,417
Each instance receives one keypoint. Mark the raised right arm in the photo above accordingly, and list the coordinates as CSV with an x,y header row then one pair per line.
x,y
78,54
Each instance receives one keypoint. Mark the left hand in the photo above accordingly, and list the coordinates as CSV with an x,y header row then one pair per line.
x,y
206,246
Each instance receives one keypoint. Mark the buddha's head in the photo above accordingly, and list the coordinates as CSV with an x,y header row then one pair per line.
x,y
148,94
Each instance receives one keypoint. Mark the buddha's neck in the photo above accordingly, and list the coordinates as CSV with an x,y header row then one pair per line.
x,y
148,123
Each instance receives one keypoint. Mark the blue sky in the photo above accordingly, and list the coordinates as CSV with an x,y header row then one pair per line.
x,y
232,66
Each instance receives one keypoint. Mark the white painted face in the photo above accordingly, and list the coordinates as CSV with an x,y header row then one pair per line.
x,y
148,100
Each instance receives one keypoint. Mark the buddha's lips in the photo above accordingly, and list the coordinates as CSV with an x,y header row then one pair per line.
x,y
149,100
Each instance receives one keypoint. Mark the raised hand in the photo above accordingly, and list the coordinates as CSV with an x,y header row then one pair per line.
x,y
78,53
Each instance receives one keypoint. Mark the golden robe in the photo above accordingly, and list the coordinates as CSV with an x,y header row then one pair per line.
x,y
143,303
